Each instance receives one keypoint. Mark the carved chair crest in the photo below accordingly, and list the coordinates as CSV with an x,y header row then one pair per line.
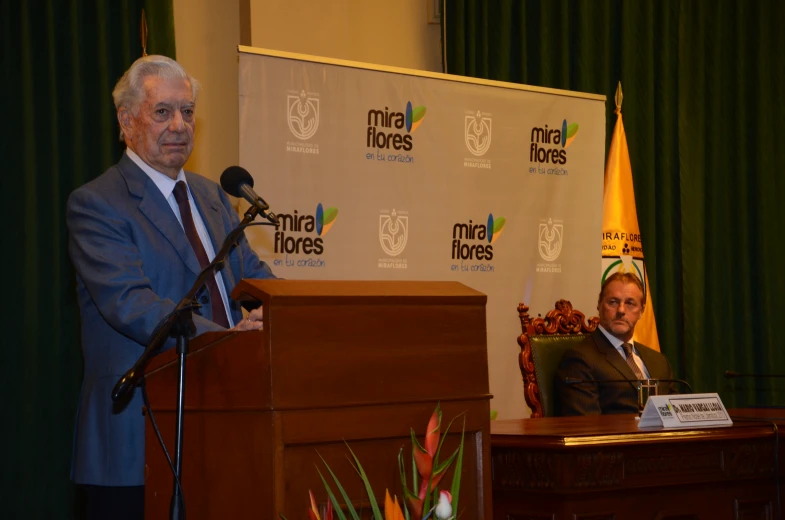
x,y
563,319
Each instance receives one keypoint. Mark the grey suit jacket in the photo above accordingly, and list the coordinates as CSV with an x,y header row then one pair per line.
x,y
133,264
596,360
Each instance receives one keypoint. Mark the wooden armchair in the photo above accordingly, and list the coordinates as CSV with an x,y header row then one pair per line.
x,y
543,342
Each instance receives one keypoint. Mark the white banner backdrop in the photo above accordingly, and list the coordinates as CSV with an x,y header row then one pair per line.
x,y
391,174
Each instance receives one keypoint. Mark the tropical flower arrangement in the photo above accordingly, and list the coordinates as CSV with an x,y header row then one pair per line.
x,y
423,500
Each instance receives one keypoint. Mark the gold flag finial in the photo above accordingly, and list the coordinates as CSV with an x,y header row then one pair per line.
x,y
619,97
143,33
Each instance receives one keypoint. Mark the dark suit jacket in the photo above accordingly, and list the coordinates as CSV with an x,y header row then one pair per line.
x,y
595,359
133,263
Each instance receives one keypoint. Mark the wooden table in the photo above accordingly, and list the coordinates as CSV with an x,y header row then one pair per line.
x,y
604,467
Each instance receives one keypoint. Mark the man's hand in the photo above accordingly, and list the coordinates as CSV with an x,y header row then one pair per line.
x,y
252,322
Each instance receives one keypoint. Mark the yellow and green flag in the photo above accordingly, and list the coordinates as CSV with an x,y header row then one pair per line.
x,y
622,249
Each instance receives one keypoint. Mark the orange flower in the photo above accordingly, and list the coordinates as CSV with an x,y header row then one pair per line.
x,y
392,511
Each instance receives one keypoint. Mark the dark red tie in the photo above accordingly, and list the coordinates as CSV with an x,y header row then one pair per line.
x,y
181,196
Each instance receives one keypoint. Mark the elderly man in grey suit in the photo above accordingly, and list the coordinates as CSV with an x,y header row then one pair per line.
x,y
609,354
138,236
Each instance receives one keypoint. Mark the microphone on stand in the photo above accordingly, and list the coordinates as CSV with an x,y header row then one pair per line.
x,y
237,182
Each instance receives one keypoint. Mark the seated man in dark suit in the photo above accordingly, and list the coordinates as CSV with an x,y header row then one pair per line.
x,y
609,354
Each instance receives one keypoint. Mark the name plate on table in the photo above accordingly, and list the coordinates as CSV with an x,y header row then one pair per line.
x,y
684,411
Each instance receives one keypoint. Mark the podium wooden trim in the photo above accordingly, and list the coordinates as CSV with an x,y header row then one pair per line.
x,y
355,362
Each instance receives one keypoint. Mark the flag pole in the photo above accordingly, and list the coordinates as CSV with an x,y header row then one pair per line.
x,y
143,33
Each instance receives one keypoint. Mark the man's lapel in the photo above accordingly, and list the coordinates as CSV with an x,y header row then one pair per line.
x,y
210,210
649,358
613,358
153,205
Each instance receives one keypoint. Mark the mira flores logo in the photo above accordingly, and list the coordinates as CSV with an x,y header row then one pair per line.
x,y
550,239
548,149
474,241
477,137
302,234
302,117
391,131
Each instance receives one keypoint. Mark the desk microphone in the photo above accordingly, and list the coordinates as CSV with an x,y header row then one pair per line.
x,y
573,381
645,387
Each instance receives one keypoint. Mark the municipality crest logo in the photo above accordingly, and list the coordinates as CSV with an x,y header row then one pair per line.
x,y
303,115
393,233
624,263
477,133
550,239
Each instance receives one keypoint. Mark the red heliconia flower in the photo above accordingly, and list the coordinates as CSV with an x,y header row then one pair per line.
x,y
435,479
432,433
423,456
313,513
415,506
423,459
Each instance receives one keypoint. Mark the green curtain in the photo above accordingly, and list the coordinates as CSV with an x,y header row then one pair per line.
x,y
60,60
702,83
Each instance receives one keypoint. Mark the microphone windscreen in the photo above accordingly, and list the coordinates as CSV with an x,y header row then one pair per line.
x,y
233,177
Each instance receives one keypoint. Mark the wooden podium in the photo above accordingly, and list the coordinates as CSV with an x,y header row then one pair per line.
x,y
337,363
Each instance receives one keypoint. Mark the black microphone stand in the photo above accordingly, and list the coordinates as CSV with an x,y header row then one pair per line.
x,y
179,324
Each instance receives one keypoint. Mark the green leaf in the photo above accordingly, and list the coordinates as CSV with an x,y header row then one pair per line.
x,y
329,215
336,506
498,224
442,467
418,113
444,436
404,485
456,477
572,129
371,497
402,469
426,503
415,442
348,502
415,477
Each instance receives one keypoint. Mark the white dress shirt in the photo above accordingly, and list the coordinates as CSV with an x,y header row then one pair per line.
x,y
166,185
617,344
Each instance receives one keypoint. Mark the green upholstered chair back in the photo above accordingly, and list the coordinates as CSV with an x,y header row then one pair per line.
x,y
543,342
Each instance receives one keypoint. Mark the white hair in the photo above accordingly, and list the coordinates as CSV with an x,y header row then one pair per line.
x,y
129,90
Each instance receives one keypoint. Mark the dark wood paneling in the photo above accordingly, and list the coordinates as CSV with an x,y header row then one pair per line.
x,y
606,467
358,363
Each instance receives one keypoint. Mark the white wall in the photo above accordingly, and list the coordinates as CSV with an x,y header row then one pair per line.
x,y
207,33
386,33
